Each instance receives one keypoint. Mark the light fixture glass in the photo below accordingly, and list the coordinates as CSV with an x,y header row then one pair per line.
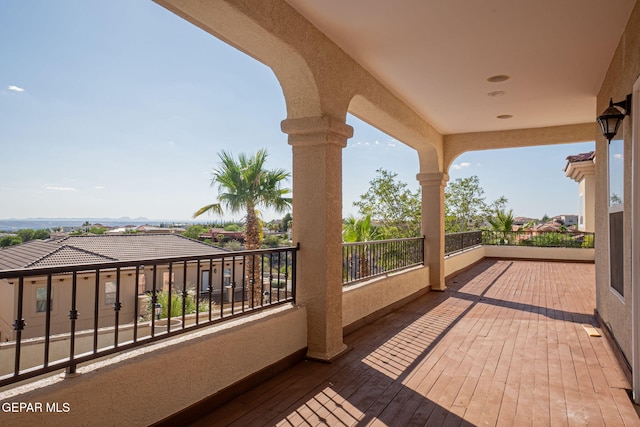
x,y
612,117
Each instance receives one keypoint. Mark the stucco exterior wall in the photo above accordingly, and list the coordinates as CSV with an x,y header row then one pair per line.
x,y
461,260
144,386
6,310
527,252
366,298
623,72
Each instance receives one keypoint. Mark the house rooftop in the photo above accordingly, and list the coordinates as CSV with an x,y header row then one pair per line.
x,y
582,157
101,248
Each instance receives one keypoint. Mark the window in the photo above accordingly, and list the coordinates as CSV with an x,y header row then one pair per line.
x,y
41,300
227,277
616,172
204,282
616,214
110,293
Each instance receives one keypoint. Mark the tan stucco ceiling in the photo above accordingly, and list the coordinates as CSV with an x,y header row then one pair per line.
x,y
437,55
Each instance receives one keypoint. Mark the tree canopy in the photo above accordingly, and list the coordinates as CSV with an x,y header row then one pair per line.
x,y
391,205
465,205
244,185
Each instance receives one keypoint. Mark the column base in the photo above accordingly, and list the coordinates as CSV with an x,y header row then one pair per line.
x,y
327,357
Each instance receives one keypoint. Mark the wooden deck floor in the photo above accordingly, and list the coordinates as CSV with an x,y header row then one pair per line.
x,y
504,345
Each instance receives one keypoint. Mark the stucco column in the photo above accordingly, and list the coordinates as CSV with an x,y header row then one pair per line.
x,y
433,225
317,225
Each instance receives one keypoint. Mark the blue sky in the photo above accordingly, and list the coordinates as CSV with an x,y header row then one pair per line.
x,y
119,108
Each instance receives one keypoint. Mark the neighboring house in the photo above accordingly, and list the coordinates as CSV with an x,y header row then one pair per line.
x,y
94,249
220,234
566,220
582,169
522,220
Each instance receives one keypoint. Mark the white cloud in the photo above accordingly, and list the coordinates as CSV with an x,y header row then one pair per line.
x,y
49,187
459,166
618,156
99,187
15,88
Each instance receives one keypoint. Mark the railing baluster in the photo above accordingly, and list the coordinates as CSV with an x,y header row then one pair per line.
x,y
185,292
73,316
19,325
96,311
197,293
169,298
284,266
233,285
117,305
222,288
210,284
154,300
47,327
136,311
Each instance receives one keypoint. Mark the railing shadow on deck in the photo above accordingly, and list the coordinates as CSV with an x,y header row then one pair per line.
x,y
382,363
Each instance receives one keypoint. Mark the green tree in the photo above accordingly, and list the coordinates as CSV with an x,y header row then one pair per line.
x,y
286,222
390,202
25,234
360,230
244,185
194,231
465,206
42,234
10,241
502,222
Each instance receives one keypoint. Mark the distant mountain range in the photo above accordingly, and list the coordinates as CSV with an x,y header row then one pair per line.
x,y
14,224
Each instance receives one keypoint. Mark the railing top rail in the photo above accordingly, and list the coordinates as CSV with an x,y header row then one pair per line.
x,y
368,242
464,232
39,271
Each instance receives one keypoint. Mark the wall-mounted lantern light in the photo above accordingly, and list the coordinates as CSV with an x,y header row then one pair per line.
x,y
611,118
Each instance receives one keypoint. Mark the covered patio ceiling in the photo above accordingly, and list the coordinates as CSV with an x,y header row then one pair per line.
x,y
438,55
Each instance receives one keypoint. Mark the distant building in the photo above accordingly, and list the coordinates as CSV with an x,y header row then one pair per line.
x,y
582,169
566,220
92,250
220,234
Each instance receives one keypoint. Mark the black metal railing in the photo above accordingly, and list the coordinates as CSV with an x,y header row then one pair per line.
x,y
362,260
72,314
457,242
548,239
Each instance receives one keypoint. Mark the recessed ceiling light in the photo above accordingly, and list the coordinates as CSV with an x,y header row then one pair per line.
x,y
497,93
504,116
499,78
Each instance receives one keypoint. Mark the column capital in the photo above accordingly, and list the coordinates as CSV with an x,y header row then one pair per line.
x,y
317,131
432,179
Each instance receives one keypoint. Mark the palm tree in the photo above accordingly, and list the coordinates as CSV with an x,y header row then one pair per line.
x,y
502,222
360,230
245,186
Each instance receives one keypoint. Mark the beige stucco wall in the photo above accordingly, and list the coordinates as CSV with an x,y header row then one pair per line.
x,y
527,252
147,385
363,299
7,315
623,72
461,260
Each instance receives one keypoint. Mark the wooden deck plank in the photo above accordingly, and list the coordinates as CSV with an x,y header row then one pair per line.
x,y
503,345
